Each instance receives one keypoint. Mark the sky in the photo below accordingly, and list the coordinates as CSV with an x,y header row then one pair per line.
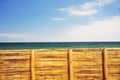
x,y
59,20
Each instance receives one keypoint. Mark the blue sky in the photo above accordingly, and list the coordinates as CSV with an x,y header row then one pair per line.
x,y
59,20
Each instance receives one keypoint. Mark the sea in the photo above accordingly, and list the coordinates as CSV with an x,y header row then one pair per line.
x,y
56,45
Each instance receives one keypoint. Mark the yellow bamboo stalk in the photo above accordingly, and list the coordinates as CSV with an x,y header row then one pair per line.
x,y
32,65
104,61
70,65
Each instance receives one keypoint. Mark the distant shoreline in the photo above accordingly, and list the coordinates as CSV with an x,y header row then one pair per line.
x,y
58,45
60,49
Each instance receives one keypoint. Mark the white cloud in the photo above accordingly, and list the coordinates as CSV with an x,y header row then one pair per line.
x,y
57,19
9,37
77,12
14,35
87,8
104,30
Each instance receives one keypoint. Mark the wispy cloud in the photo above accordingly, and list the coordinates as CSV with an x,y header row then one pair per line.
x,y
87,8
26,37
57,19
104,30
14,35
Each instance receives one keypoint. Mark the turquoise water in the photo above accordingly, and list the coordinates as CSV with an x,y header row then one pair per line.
x,y
52,45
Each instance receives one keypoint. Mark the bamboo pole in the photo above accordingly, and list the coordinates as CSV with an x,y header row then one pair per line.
x,y
70,64
32,65
104,66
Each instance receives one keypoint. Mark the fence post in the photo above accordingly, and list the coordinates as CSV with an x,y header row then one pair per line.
x,y
32,65
104,65
70,64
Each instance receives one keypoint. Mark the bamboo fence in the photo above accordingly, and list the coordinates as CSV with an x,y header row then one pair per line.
x,y
60,64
